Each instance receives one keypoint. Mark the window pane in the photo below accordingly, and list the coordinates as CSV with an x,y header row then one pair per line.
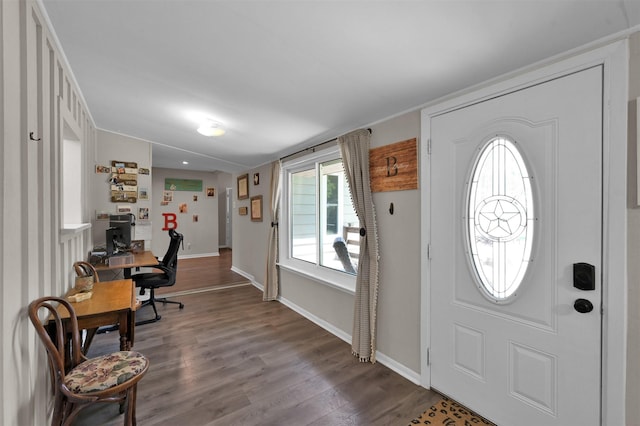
x,y
320,210
303,215
337,213
331,207
71,182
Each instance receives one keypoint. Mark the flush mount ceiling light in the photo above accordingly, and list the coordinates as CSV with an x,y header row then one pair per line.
x,y
211,128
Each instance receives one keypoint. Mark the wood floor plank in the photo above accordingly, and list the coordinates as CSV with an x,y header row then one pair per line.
x,y
204,272
228,358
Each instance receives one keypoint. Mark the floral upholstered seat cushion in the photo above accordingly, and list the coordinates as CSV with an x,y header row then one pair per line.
x,y
104,372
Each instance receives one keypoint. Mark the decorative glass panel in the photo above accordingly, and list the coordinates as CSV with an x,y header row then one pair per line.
x,y
500,219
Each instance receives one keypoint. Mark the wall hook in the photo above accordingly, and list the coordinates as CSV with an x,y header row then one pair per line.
x,y
33,138
391,208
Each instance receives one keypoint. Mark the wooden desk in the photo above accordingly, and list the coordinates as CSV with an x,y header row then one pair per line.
x,y
113,302
144,258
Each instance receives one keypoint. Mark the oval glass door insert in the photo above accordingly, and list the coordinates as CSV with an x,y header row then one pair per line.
x,y
500,221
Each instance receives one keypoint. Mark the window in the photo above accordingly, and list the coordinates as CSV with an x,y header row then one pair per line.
x,y
71,178
500,219
316,209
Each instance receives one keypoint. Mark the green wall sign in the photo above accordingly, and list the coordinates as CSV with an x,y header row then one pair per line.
x,y
193,185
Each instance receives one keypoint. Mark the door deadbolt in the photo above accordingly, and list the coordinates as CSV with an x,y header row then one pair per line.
x,y
584,276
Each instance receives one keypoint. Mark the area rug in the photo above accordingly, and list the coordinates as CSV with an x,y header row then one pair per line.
x,y
449,413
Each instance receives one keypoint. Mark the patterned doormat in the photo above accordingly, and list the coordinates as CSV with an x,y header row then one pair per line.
x,y
449,413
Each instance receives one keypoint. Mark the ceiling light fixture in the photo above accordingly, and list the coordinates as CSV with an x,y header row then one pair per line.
x,y
211,128
185,162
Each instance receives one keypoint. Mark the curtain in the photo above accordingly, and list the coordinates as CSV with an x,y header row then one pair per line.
x,y
355,158
272,284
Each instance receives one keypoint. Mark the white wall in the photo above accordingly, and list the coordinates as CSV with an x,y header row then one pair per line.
x,y
201,237
250,238
117,147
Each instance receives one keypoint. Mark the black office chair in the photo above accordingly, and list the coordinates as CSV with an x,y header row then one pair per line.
x,y
153,280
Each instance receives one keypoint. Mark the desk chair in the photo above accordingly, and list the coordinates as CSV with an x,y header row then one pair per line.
x,y
153,280
73,376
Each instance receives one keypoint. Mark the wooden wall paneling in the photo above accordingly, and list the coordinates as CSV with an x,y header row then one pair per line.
x,y
10,156
35,260
48,182
34,228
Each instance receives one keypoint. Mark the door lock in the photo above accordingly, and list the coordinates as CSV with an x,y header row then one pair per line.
x,y
583,306
584,276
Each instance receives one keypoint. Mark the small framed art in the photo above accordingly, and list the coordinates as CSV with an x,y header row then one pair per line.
x,y
256,208
243,187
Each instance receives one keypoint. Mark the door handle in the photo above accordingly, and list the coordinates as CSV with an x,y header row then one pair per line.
x,y
583,306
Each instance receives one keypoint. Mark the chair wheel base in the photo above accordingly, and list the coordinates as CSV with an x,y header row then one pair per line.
x,y
149,321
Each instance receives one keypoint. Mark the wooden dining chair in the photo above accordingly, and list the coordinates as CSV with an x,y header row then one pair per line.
x,y
84,270
107,378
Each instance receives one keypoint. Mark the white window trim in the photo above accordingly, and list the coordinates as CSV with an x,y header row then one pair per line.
x,y
336,279
73,132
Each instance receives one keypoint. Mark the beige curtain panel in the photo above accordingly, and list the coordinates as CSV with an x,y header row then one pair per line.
x,y
355,158
272,284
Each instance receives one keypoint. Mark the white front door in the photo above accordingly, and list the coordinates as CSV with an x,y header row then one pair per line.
x,y
516,201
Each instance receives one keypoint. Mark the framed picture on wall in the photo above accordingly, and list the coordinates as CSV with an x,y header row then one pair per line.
x,y
243,187
143,193
256,208
243,211
143,213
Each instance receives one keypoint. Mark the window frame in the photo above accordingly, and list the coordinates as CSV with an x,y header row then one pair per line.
x,y
340,280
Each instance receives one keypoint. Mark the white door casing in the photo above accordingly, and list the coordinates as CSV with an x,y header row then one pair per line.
x,y
508,358
615,59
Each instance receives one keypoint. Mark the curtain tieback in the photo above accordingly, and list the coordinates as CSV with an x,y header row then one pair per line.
x,y
274,224
363,232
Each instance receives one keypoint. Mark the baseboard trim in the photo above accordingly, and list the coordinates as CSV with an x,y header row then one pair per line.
x,y
195,256
249,277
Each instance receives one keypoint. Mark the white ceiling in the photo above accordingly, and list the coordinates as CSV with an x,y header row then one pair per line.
x,y
283,75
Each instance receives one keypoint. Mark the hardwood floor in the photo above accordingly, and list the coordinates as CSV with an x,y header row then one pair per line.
x,y
228,358
204,273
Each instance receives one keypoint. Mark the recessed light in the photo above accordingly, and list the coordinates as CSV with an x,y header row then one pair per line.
x,y
185,162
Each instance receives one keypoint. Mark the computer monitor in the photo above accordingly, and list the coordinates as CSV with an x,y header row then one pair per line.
x,y
119,232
